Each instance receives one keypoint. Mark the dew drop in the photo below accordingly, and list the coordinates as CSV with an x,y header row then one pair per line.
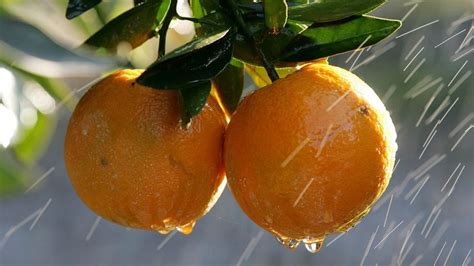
x,y
288,242
187,228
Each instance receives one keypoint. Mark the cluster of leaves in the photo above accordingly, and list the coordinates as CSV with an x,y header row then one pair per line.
x,y
235,33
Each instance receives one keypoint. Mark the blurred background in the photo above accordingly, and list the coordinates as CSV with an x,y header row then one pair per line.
x,y
423,73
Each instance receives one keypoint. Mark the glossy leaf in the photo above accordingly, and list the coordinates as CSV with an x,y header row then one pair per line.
x,y
251,9
327,39
332,10
318,11
197,61
276,14
270,44
220,22
194,98
298,26
197,8
230,84
201,8
77,7
135,26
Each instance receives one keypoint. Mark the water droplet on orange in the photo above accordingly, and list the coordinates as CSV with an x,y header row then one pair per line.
x,y
287,242
159,229
186,229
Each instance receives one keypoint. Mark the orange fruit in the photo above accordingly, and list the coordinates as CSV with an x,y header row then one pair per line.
x,y
131,162
308,155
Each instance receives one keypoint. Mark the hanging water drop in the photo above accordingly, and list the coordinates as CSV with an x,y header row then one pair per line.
x,y
187,228
159,229
288,242
314,247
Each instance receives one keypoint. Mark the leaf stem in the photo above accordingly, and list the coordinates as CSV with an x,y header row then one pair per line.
x,y
164,28
272,74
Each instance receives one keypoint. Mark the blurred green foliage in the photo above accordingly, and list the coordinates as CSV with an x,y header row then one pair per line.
x,y
31,93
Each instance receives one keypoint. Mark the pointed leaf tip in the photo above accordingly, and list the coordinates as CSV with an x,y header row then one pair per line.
x,y
194,98
328,39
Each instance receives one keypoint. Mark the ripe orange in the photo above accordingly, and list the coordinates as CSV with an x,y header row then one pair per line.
x,y
309,154
132,163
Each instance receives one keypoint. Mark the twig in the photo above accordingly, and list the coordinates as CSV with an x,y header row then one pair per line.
x,y
272,74
164,28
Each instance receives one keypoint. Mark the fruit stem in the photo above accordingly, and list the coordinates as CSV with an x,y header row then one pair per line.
x,y
269,67
164,28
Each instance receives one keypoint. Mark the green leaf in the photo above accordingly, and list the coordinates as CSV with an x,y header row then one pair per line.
x,y
270,44
35,139
230,84
298,26
201,8
221,22
327,39
197,61
77,7
332,10
318,11
276,14
197,9
135,26
194,98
